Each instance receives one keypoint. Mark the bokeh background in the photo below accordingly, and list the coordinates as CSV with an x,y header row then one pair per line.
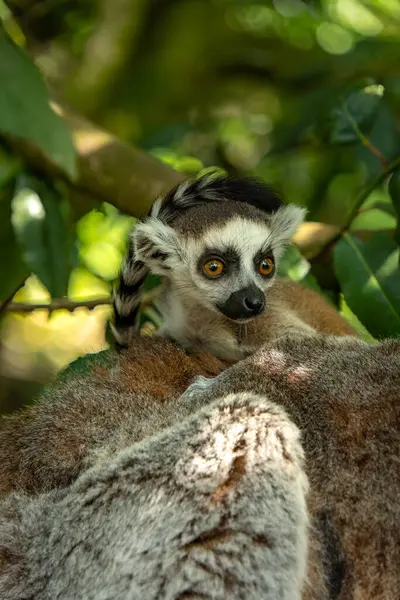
x,y
103,105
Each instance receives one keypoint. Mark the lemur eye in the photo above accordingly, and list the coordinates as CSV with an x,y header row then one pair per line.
x,y
214,268
266,267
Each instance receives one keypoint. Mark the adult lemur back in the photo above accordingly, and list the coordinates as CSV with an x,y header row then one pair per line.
x,y
157,496
217,241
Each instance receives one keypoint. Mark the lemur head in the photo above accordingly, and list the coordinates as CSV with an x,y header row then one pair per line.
x,y
217,240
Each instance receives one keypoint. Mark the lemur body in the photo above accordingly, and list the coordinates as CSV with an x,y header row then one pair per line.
x,y
150,494
217,243
291,308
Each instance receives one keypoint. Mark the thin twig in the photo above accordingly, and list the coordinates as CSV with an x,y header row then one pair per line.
x,y
64,304
58,304
364,140
376,152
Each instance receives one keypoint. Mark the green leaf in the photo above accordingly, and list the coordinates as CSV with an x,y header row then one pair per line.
x,y
40,221
13,269
188,165
354,322
384,136
293,265
369,278
25,110
379,198
394,191
355,115
373,220
10,166
102,259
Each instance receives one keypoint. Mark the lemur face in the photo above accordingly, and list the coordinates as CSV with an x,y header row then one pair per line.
x,y
228,268
232,265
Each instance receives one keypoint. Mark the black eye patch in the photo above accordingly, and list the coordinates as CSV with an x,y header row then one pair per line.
x,y
229,256
263,253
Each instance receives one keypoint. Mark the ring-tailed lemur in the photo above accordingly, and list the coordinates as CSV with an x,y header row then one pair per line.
x,y
216,241
203,496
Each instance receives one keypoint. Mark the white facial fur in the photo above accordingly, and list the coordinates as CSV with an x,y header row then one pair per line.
x,y
243,236
181,254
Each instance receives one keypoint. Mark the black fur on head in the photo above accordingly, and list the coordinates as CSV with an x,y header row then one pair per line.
x,y
216,188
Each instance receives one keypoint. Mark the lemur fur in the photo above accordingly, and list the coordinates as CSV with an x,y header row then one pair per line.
x,y
239,223
113,485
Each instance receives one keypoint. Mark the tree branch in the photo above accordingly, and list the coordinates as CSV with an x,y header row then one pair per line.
x,y
58,304
64,304
108,170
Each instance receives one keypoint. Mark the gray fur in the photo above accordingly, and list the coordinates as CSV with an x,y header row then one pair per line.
x,y
203,495
211,508
344,395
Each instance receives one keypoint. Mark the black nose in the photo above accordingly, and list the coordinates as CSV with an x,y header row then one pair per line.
x,y
254,303
244,304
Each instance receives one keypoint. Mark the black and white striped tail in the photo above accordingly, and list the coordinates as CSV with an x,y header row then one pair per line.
x,y
127,298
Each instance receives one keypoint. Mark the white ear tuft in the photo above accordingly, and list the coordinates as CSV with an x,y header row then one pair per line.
x,y
154,242
285,222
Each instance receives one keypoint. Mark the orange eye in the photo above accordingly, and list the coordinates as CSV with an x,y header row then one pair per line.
x,y
214,268
266,267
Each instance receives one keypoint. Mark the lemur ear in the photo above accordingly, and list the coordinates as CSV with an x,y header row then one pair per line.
x,y
285,222
154,244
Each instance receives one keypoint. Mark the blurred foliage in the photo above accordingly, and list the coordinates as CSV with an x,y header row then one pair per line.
x,y
305,94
